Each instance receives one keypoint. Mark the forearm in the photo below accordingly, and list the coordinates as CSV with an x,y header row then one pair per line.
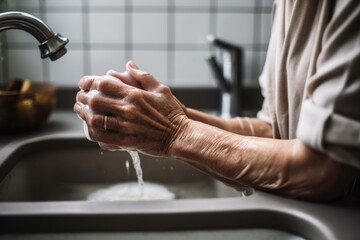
x,y
284,166
243,126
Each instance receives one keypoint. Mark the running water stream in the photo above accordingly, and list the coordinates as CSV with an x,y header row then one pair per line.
x,y
137,165
132,191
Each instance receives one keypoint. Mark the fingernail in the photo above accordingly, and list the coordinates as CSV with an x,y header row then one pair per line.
x,y
77,107
133,65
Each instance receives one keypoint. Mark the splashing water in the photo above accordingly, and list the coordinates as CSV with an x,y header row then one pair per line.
x,y
132,191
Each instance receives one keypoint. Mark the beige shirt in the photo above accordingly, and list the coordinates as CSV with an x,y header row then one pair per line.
x,y
311,78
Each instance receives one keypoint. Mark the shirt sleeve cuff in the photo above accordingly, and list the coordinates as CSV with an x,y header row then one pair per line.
x,y
328,132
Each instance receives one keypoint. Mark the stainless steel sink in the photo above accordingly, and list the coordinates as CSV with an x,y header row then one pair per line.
x,y
44,183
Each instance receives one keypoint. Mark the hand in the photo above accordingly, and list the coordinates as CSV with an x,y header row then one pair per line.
x,y
142,114
128,79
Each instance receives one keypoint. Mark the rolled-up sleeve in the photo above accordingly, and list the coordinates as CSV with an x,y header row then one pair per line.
x,y
330,114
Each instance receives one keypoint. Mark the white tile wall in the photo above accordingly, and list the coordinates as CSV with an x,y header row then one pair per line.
x,y
237,28
154,62
265,28
18,36
103,60
191,69
149,3
23,65
106,28
97,3
28,3
237,3
164,37
67,70
60,23
191,28
57,3
192,3
149,28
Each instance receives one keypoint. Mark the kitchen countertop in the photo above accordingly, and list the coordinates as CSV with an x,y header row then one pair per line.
x,y
341,218
61,122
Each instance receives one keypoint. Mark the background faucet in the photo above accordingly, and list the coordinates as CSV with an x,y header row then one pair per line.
x,y
228,76
51,45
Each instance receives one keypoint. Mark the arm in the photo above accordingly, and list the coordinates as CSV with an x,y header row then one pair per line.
x,y
244,126
285,166
150,119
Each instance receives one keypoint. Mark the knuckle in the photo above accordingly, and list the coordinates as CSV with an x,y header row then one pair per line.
x,y
128,112
164,89
78,96
145,75
103,85
86,82
82,96
134,95
93,121
94,101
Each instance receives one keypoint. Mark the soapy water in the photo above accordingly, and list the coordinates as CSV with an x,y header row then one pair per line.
x,y
132,191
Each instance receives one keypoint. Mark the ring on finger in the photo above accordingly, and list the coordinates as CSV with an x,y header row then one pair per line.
x,y
105,125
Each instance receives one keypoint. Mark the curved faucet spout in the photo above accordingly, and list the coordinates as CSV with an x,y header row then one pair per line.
x,y
51,45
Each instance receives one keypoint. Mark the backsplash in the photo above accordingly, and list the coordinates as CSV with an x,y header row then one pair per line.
x,y
165,37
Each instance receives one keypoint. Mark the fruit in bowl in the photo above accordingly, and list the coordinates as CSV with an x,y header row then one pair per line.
x,y
25,105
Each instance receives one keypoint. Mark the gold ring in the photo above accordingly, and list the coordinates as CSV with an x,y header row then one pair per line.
x,y
105,122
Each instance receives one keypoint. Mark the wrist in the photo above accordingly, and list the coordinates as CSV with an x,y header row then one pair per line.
x,y
177,137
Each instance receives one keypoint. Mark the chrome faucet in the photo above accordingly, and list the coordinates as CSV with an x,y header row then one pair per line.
x,y
228,76
51,45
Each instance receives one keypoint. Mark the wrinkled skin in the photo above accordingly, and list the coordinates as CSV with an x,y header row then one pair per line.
x,y
144,115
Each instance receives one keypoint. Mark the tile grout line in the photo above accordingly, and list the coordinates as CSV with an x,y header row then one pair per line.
x,y
171,43
128,30
86,46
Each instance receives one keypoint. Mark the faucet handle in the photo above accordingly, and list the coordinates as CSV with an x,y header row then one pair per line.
x,y
223,44
224,85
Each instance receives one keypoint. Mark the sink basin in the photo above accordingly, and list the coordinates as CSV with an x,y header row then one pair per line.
x,y
70,170
45,181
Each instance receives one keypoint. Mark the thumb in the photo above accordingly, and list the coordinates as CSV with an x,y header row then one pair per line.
x,y
145,79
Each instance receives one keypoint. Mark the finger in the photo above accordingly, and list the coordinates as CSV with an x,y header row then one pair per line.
x,y
106,84
83,111
91,119
98,102
110,138
86,82
109,147
145,79
77,109
125,77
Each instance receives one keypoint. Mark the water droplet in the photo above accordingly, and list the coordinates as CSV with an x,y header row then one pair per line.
x,y
127,165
